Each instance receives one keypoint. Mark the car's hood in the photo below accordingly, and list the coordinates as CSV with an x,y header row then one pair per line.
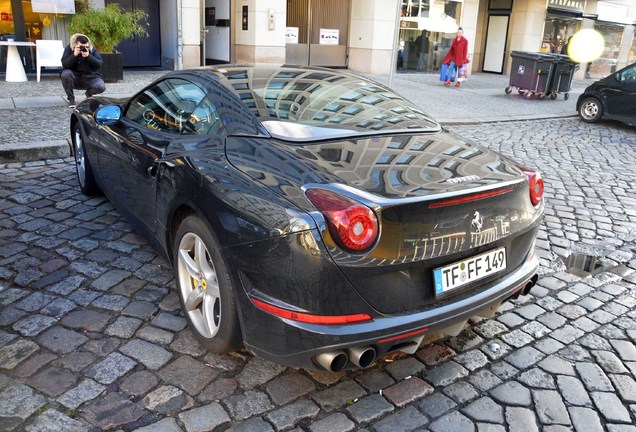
x,y
397,168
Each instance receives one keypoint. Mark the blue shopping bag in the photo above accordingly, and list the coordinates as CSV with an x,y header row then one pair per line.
x,y
448,72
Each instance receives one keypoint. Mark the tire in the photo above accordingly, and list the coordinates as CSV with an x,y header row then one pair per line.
x,y
553,95
590,110
508,90
541,96
566,96
83,168
205,288
528,94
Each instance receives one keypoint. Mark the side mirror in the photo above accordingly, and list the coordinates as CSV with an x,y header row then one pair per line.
x,y
108,115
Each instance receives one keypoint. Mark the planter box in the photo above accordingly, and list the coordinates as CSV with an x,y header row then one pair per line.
x,y
112,67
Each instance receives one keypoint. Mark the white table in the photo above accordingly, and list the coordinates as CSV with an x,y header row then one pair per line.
x,y
15,69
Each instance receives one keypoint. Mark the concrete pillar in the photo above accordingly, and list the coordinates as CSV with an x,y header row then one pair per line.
x,y
527,23
191,14
590,9
626,46
371,35
261,42
470,13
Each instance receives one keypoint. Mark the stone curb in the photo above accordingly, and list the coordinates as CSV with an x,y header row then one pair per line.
x,y
34,150
450,122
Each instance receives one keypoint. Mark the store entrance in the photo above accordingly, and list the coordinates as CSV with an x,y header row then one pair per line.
x,y
317,32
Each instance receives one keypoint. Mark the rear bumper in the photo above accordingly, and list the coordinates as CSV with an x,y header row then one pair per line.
x,y
297,344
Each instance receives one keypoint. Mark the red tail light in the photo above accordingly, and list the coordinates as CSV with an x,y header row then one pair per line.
x,y
353,226
535,183
311,319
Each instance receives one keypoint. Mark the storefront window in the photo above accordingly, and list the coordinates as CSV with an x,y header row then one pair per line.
x,y
415,8
632,52
7,27
427,29
607,63
36,25
557,30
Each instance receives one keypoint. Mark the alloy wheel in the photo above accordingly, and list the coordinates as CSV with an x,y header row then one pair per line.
x,y
80,160
199,286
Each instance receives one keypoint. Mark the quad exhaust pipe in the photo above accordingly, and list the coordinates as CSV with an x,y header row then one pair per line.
x,y
362,357
335,361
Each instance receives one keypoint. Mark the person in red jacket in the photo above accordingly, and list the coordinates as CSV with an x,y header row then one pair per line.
x,y
456,57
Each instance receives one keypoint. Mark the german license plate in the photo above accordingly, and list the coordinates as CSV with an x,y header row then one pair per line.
x,y
469,270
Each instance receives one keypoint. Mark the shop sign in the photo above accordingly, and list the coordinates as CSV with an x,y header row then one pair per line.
x,y
291,35
329,36
53,6
407,24
570,5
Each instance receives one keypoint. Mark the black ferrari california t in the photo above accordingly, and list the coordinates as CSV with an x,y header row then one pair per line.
x,y
312,216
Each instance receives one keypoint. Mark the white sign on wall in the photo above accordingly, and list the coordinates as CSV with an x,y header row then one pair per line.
x,y
291,35
53,6
329,36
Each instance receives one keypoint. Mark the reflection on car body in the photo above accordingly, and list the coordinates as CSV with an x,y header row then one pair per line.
x,y
307,211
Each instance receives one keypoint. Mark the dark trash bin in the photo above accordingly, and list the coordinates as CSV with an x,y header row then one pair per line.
x,y
562,74
531,73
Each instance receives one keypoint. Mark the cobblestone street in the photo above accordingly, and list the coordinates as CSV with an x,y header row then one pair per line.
x,y
91,335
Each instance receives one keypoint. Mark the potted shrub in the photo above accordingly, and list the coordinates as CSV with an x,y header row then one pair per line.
x,y
106,28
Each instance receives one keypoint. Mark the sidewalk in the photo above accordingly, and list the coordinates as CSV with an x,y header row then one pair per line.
x,y
35,113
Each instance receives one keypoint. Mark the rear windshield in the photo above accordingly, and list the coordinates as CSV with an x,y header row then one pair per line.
x,y
306,104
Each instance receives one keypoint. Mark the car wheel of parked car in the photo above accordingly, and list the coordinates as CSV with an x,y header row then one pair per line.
x,y
85,176
590,110
205,287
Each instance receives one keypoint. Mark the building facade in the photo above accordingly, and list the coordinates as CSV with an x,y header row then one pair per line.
x,y
362,35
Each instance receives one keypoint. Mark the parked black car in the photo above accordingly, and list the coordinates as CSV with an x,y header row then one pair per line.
x,y
613,97
311,215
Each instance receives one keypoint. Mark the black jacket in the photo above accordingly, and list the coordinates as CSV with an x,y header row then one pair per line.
x,y
84,67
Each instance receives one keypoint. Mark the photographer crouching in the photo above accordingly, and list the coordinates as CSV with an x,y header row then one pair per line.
x,y
81,63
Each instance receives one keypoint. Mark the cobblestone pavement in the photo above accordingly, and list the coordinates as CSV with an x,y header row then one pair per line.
x,y
91,336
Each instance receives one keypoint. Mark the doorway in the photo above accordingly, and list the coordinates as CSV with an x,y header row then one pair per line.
x,y
496,37
216,46
142,51
317,32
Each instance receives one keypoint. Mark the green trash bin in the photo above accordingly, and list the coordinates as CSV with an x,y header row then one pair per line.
x,y
531,73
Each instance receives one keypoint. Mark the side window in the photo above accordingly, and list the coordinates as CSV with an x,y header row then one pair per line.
x,y
205,120
628,74
166,106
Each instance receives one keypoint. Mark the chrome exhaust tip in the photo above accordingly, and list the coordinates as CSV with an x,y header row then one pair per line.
x,y
530,284
333,361
362,356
